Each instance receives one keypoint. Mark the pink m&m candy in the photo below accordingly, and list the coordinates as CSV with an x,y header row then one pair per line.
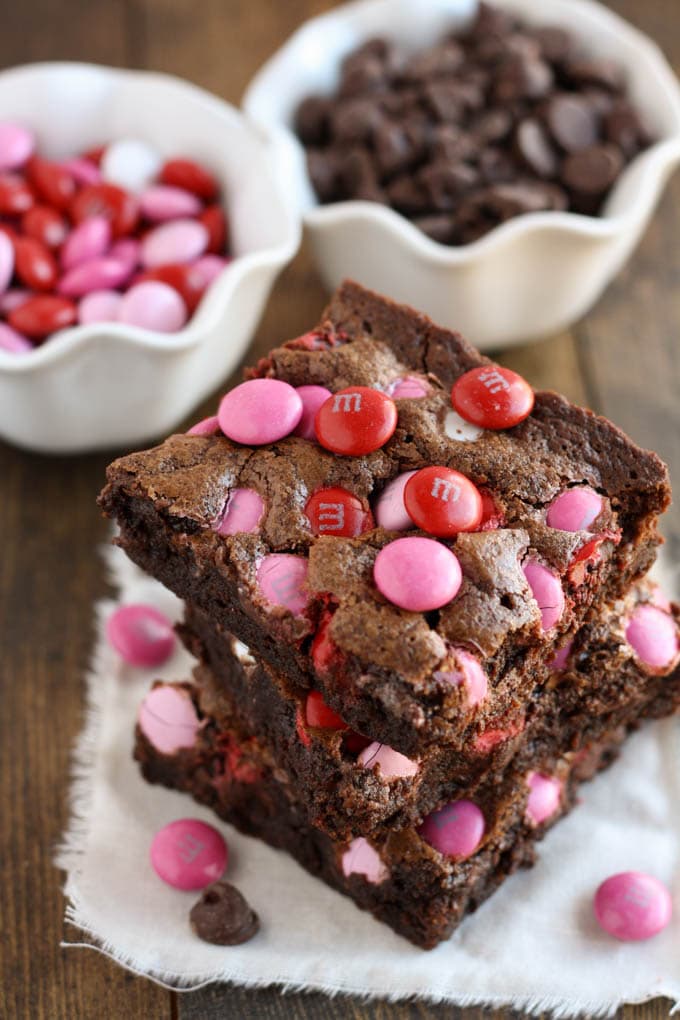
x,y
6,261
260,411
208,268
17,144
455,830
390,510
205,427
281,577
360,858
127,251
632,906
242,514
409,387
391,763
95,274
417,574
547,590
653,636
153,305
561,657
188,854
83,171
168,719
469,675
177,241
141,635
544,797
574,510
12,341
312,398
88,240
99,306
161,202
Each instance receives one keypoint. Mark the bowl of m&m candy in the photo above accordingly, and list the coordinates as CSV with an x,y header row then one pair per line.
x,y
141,230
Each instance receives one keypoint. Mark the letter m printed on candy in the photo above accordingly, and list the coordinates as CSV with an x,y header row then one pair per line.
x,y
494,381
346,403
446,490
331,517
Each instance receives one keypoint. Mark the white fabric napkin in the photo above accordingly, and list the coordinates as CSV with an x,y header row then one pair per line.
x,y
534,945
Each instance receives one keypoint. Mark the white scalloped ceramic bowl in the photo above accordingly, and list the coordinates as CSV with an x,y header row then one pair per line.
x,y
105,385
526,279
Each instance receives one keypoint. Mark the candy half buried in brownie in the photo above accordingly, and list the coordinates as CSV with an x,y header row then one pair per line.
x,y
420,880
351,784
501,516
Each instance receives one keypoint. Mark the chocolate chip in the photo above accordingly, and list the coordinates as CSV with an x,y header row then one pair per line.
x,y
444,99
522,78
222,916
323,169
492,126
444,183
592,171
441,60
452,143
508,200
555,43
394,148
312,119
572,121
354,120
359,177
623,128
407,195
440,227
491,21
605,73
362,78
534,148
496,165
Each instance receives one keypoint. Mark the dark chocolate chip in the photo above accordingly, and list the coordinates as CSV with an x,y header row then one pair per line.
x,y
623,128
508,200
491,21
445,100
556,44
355,120
572,121
592,171
359,176
407,195
440,228
492,126
444,183
452,143
522,78
496,165
377,48
394,148
222,916
363,78
323,168
312,119
534,148
441,60
606,74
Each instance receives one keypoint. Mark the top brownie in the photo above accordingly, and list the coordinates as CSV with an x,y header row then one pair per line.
x,y
234,528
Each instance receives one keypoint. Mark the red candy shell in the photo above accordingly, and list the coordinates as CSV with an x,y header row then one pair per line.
x,y
15,195
185,278
356,421
492,397
215,222
53,182
317,713
41,315
337,512
34,264
110,201
443,502
46,225
185,173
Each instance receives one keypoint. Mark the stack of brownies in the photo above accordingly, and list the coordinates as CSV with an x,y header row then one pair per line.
x,y
403,675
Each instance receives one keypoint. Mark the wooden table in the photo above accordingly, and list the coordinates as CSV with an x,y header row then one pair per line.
x,y
623,361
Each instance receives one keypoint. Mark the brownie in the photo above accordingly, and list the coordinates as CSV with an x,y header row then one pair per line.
x,y
599,681
406,882
379,666
501,120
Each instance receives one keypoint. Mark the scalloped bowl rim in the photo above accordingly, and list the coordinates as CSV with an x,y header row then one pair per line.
x,y
68,341
651,162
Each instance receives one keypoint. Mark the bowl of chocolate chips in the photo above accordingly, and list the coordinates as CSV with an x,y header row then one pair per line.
x,y
492,165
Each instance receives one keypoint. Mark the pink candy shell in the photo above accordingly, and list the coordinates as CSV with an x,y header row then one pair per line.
x,y
177,241
161,202
83,171
153,305
561,657
127,251
89,240
544,797
209,267
12,341
260,411
99,306
205,427
17,145
409,387
389,510
653,636
391,763
632,906
455,830
14,298
168,719
281,578
95,274
188,854
417,574
547,590
141,635
471,676
361,858
6,261
312,398
242,514
574,509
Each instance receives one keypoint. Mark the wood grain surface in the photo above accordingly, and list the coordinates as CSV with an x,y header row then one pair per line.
x,y
622,360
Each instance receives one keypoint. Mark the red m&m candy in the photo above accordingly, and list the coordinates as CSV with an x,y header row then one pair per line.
x,y
41,315
356,421
317,713
492,397
52,182
337,512
443,501
110,201
185,173
34,264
